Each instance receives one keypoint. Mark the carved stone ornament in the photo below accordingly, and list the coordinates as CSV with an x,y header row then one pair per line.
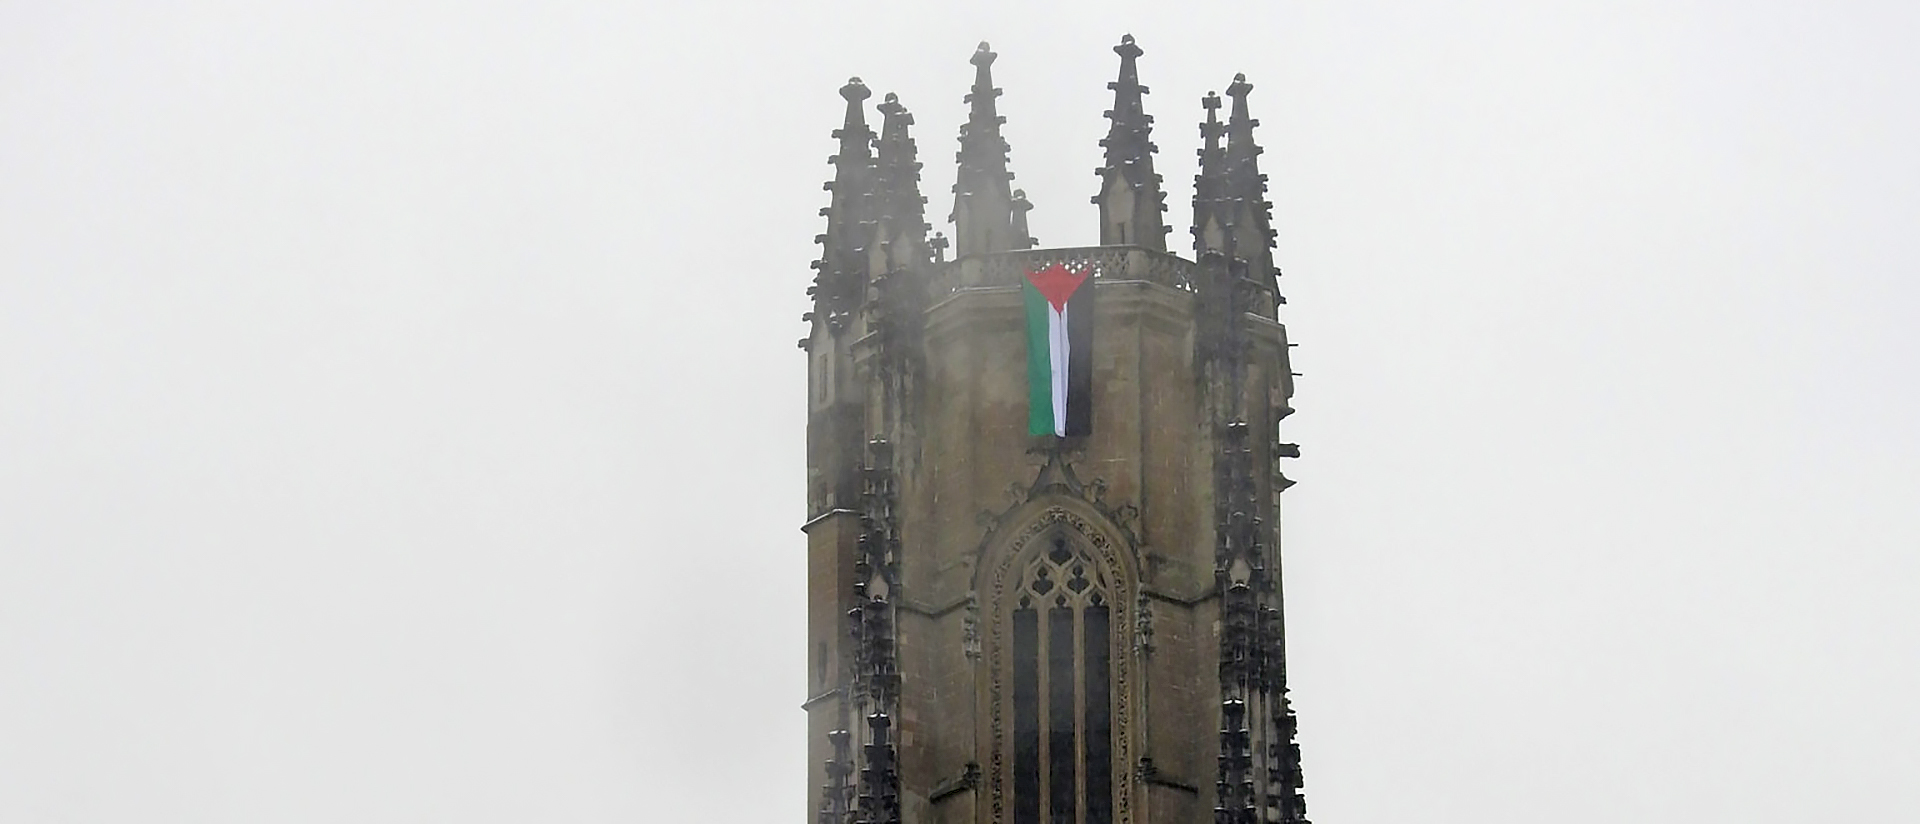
x,y
1056,476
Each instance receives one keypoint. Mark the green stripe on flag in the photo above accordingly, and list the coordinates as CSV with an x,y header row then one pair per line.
x,y
1039,363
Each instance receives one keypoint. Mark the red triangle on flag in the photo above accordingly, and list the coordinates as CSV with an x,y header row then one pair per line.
x,y
1057,283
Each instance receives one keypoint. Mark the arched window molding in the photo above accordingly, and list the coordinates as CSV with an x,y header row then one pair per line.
x,y
1061,596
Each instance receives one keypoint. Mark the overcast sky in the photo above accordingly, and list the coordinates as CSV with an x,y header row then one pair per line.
x,y
400,418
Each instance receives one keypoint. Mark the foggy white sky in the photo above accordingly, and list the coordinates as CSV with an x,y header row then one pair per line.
x,y
400,419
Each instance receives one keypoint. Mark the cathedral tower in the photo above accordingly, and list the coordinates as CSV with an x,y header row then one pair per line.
x,y
1043,489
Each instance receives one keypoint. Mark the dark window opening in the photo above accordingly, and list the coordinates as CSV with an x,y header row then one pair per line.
x,y
1026,717
1062,691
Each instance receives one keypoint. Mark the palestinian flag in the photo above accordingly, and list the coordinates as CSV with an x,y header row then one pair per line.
x,y
1059,350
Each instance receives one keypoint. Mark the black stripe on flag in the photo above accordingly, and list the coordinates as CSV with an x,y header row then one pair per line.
x,y
1080,360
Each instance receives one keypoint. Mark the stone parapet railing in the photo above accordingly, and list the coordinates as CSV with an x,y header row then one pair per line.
x,y
1112,263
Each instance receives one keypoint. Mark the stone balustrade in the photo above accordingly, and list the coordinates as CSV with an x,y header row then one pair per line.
x,y
1112,263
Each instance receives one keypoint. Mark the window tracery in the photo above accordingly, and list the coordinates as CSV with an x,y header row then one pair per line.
x,y
1060,678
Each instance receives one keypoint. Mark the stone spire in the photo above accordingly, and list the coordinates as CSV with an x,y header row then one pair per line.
x,y
1130,199
1250,234
982,202
900,208
1211,214
842,270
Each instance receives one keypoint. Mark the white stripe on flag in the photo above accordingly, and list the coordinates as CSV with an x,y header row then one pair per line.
x,y
1057,354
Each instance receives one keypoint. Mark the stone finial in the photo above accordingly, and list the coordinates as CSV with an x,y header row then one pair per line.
x,y
983,56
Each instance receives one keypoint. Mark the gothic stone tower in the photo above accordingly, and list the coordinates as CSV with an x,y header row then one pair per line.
x,y
1043,490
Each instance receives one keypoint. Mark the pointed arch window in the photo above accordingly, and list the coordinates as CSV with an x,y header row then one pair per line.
x,y
1062,697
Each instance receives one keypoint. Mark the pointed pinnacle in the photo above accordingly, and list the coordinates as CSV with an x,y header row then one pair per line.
x,y
1130,215
901,207
1210,186
842,275
981,197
